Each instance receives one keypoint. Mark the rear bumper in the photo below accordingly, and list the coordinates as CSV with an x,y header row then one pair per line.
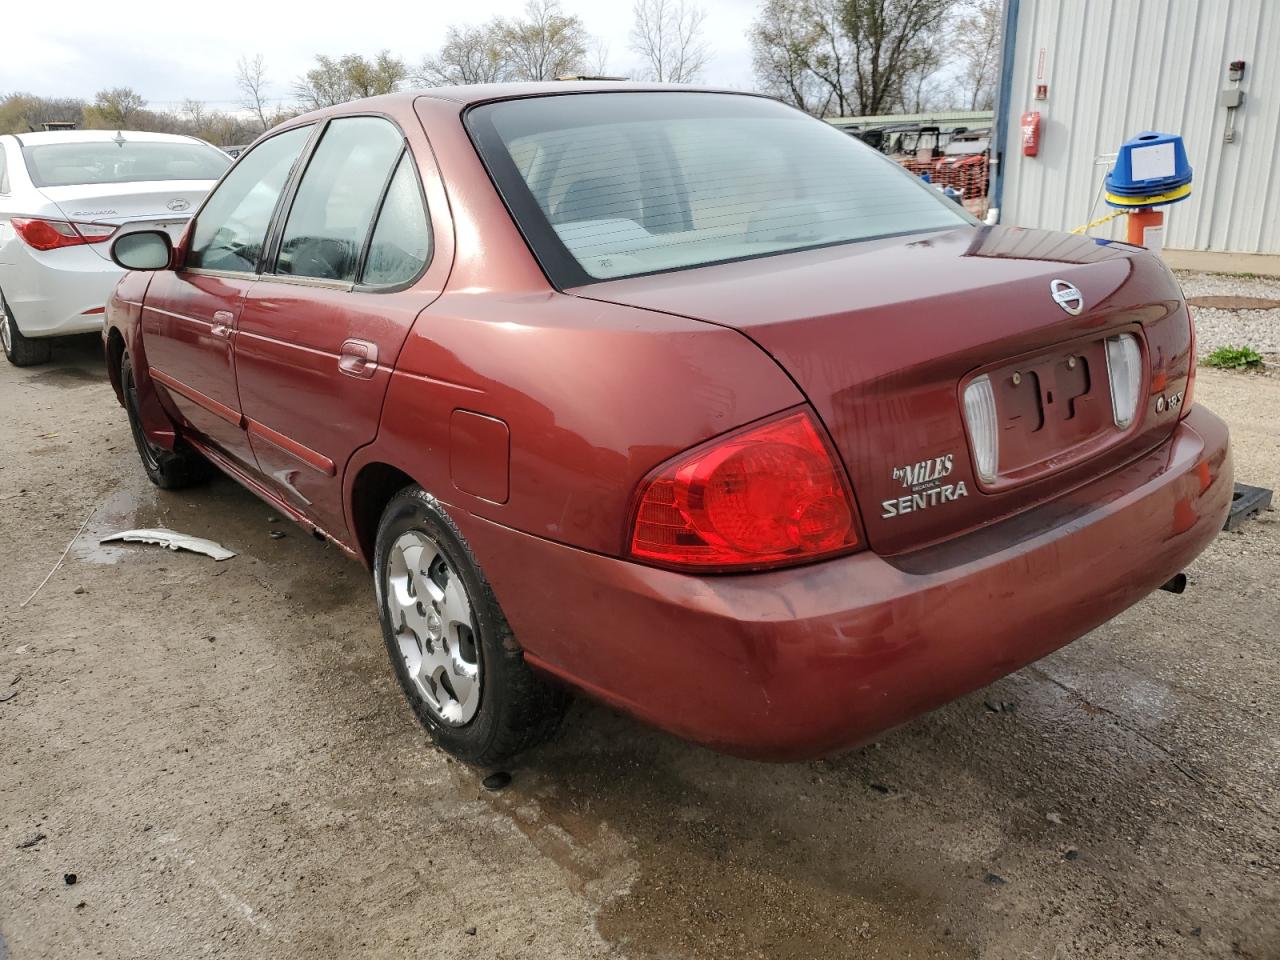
x,y
799,663
51,291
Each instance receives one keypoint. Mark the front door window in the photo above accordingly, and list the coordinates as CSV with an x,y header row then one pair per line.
x,y
232,227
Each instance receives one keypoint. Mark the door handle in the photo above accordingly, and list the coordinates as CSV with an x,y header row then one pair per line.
x,y
222,320
358,358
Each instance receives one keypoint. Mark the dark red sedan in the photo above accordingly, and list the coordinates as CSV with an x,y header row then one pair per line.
x,y
678,398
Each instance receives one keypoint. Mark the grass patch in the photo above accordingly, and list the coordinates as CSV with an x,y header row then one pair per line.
x,y
1229,275
1234,358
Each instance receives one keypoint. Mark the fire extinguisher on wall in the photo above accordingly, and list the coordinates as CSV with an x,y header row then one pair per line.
x,y
1031,133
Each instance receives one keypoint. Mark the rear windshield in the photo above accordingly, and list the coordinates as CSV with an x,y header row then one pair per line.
x,y
620,184
122,161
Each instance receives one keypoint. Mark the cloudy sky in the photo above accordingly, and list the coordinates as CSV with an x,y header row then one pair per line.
x,y
168,53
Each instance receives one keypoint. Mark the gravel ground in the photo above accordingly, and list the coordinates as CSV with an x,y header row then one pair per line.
x,y
1259,329
217,755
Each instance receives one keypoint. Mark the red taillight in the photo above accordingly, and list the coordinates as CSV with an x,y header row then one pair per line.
x,y
768,495
1191,368
52,234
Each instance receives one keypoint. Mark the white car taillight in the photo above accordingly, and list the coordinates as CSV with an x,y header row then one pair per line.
x,y
980,415
1124,370
42,234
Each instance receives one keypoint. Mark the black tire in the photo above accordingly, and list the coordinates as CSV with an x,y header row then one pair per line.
x,y
516,708
19,350
167,469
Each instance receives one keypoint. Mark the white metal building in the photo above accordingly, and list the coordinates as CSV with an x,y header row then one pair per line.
x,y
1110,69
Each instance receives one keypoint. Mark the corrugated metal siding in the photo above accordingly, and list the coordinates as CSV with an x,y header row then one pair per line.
x,y
1118,67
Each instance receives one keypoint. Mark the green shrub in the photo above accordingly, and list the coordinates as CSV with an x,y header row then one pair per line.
x,y
1234,358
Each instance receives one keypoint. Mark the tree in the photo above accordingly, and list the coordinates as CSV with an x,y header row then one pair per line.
x,y
195,114
113,108
977,33
922,86
668,35
801,54
544,44
832,60
23,112
383,74
780,50
251,78
469,55
26,113
846,56
336,80
598,57
887,37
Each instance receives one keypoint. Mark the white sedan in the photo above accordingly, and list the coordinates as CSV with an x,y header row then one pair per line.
x,y
62,196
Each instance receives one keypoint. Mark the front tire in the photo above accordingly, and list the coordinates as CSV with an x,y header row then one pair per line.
x,y
452,650
167,469
19,350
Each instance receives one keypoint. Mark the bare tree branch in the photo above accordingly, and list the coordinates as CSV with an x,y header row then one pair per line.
x,y
598,57
847,56
113,108
668,35
251,78
544,44
336,80
469,55
977,32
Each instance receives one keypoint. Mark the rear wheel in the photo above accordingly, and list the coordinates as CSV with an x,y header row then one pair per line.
x,y
450,645
167,469
21,351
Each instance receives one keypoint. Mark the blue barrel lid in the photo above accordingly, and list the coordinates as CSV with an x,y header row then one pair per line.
x,y
1148,165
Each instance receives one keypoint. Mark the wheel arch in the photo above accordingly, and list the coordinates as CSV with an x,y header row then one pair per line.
x,y
370,489
115,352
159,425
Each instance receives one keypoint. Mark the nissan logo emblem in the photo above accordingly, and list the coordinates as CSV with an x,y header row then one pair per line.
x,y
178,205
1066,296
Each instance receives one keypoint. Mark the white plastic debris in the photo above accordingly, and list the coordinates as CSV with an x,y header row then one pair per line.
x,y
172,540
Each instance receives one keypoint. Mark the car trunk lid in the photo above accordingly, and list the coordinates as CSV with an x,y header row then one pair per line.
x,y
884,337
144,205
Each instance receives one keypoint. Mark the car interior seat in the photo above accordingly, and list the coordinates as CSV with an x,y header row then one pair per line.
x,y
598,198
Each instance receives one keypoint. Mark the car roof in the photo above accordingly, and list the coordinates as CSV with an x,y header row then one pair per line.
x,y
470,94
480,92
98,136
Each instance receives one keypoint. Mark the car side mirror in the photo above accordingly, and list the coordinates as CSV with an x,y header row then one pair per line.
x,y
143,250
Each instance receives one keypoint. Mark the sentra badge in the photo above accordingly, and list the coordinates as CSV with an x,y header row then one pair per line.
x,y
925,481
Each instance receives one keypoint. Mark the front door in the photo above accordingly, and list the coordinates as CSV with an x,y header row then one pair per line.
x,y
187,323
190,316
321,329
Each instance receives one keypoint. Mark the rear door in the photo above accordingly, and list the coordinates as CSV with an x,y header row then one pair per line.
x,y
190,315
321,330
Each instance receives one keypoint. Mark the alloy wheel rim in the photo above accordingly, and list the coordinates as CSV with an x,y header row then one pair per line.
x,y
6,335
431,616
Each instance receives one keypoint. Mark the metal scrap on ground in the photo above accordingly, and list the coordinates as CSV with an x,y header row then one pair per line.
x,y
172,540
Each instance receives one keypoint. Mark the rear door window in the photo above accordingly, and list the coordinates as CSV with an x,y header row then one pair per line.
x,y
337,199
232,227
401,242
